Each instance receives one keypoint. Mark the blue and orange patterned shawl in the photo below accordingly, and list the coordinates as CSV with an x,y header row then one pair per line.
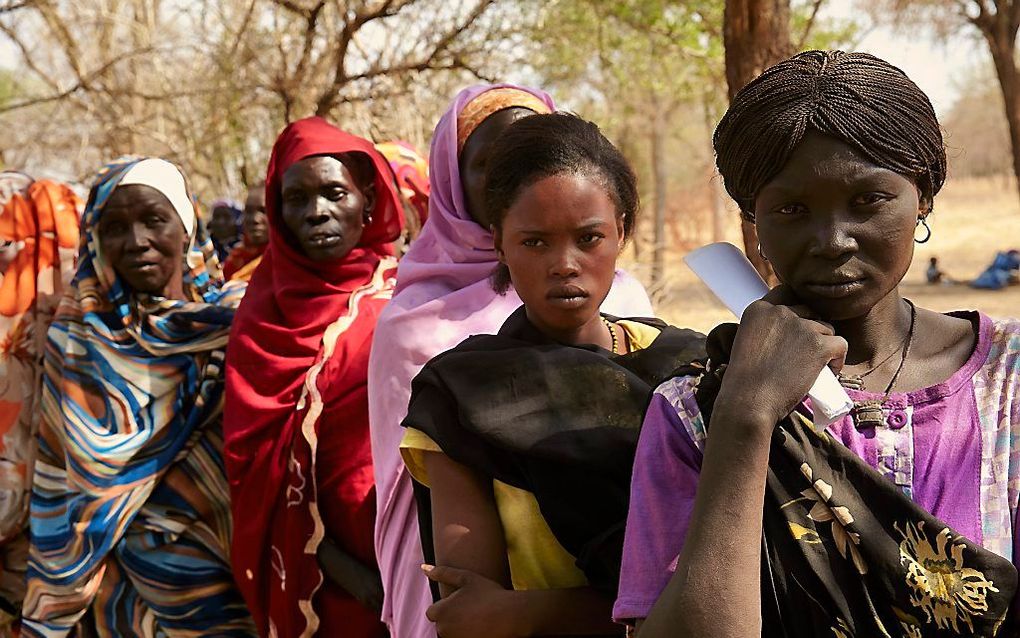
x,y
130,509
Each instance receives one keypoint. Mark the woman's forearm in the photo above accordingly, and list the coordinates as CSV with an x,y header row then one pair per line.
x,y
716,588
565,612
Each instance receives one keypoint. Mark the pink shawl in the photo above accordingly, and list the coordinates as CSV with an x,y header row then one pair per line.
x,y
443,296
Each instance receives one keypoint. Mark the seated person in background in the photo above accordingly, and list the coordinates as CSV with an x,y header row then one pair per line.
x,y
1001,273
933,274
525,438
898,519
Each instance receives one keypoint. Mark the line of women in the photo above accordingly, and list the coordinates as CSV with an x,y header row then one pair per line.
x,y
493,436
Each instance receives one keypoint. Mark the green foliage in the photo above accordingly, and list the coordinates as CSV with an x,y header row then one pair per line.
x,y
9,88
809,31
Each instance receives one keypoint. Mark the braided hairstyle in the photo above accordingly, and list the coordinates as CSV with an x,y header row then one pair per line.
x,y
544,145
856,98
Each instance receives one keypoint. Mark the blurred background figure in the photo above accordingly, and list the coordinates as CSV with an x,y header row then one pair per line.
x,y
412,173
246,256
1002,272
225,226
38,245
934,274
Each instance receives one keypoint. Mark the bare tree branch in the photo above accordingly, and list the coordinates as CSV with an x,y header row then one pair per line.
x,y
83,84
14,5
26,55
815,6
424,62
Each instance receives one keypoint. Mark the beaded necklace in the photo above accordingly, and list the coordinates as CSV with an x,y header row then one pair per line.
x,y
868,413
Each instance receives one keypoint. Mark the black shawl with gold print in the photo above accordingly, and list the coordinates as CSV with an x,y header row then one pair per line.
x,y
846,554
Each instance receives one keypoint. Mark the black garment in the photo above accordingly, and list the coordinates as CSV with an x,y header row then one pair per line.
x,y
848,554
561,422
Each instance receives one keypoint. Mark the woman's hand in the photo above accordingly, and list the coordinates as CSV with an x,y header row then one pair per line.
x,y
478,606
778,351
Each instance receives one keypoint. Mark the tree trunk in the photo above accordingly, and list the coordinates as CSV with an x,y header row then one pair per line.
x,y
659,185
1002,50
716,207
756,34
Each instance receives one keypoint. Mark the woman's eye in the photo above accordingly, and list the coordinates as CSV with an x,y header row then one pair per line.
x,y
153,221
112,228
336,194
532,242
869,199
590,238
789,209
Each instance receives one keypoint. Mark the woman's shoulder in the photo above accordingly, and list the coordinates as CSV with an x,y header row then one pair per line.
x,y
1004,350
1006,330
996,379
678,393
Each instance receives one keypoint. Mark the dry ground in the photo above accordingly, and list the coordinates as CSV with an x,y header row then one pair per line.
x,y
973,219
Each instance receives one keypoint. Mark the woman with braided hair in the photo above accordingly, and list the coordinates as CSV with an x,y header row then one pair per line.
x,y
900,518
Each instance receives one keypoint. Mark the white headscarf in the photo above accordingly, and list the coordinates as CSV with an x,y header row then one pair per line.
x,y
167,179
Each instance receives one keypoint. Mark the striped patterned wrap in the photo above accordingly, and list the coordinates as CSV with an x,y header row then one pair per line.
x,y
130,513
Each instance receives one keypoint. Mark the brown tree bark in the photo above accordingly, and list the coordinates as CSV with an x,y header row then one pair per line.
x,y
659,180
999,27
756,34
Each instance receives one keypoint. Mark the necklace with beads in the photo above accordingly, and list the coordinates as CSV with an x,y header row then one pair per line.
x,y
612,334
868,414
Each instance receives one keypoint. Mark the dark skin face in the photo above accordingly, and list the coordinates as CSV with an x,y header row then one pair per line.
x,y
143,238
255,223
560,240
324,208
221,226
838,230
475,155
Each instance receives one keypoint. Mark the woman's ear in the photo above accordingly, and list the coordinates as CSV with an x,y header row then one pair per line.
x,y
924,209
497,242
621,233
369,193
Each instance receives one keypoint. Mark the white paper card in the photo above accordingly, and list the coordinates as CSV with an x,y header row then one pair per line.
x,y
732,278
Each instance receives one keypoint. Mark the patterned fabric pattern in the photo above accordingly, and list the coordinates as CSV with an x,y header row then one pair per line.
x,y
997,398
130,510
38,245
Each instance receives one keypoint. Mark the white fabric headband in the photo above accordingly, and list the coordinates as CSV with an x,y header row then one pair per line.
x,y
167,179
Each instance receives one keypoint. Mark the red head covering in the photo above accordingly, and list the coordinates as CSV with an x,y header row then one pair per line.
x,y
286,373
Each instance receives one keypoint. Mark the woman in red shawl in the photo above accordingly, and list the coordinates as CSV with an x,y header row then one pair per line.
x,y
296,422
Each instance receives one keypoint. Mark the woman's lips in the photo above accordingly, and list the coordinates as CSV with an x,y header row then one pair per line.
x,y
567,297
143,266
835,290
324,241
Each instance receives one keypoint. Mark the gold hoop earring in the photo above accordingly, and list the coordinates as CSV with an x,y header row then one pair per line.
x,y
923,221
